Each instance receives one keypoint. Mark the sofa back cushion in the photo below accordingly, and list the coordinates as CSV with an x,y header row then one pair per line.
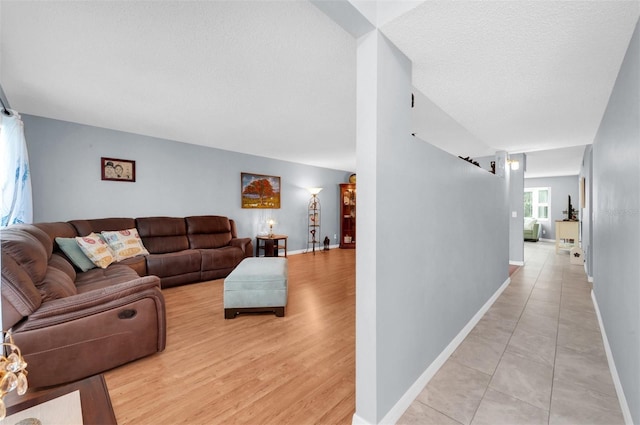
x,y
41,236
57,229
20,297
234,232
27,251
161,235
64,231
24,263
208,231
85,227
56,284
60,262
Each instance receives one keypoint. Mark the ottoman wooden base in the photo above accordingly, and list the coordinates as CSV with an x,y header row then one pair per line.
x,y
230,313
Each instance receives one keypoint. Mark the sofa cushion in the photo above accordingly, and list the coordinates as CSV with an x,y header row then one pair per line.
x,y
84,227
57,229
221,258
162,235
27,252
61,263
37,233
208,231
174,263
73,252
56,284
96,249
125,243
101,278
20,297
138,264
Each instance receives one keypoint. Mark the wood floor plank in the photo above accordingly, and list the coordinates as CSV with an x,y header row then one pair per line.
x,y
254,369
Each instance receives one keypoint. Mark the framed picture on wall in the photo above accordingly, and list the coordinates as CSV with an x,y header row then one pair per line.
x,y
121,170
259,191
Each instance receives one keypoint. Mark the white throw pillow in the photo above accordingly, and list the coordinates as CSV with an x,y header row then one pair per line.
x,y
529,223
125,243
96,249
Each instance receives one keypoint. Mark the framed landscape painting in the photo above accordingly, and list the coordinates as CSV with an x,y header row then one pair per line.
x,y
259,191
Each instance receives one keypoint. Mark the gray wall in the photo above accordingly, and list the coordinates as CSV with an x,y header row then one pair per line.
x,y
616,219
586,216
172,178
561,187
435,241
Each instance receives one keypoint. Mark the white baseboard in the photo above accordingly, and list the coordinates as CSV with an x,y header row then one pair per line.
x,y
626,413
589,279
516,263
357,420
304,251
412,393
547,240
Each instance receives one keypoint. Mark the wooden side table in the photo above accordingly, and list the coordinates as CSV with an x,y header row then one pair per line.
x,y
94,398
270,245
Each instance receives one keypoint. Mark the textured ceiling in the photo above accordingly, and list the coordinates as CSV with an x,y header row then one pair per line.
x,y
274,79
555,162
277,78
520,76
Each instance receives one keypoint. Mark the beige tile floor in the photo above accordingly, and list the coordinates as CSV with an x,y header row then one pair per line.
x,y
536,357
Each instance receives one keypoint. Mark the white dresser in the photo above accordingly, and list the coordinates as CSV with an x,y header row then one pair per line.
x,y
567,234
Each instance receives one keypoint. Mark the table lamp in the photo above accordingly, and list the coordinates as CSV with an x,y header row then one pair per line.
x,y
271,223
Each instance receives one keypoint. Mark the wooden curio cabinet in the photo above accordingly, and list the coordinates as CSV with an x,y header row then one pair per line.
x,y
347,215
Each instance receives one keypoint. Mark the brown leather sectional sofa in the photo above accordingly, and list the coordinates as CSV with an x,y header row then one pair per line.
x,y
71,324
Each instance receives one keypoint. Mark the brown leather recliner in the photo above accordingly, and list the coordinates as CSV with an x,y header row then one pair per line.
x,y
70,325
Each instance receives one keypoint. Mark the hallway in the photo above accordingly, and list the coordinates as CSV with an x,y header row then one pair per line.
x,y
536,357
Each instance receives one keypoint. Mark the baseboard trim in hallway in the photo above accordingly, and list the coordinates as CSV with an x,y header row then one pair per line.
x,y
626,413
537,356
412,393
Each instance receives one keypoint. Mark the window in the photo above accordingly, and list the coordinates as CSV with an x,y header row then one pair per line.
x,y
537,202
15,180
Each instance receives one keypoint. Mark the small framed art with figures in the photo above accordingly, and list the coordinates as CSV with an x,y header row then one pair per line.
x,y
121,170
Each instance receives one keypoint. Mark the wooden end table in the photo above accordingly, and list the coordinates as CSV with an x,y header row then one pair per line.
x,y
94,398
271,244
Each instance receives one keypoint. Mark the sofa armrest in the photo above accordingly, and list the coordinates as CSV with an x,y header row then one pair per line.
x,y
244,244
87,303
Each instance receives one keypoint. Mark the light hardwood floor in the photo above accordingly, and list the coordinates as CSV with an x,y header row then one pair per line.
x,y
254,369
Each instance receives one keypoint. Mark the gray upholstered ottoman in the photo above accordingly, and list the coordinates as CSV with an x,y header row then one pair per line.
x,y
257,284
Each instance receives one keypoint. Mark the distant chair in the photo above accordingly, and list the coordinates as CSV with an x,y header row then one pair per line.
x,y
532,229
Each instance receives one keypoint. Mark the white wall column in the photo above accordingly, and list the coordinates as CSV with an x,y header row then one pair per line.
x,y
366,160
383,122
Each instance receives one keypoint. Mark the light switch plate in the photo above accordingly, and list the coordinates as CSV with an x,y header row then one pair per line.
x,y
514,214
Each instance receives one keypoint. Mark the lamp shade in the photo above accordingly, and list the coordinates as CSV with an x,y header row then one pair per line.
x,y
314,190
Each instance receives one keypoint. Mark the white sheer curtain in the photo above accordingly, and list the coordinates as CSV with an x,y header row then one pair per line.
x,y
15,178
